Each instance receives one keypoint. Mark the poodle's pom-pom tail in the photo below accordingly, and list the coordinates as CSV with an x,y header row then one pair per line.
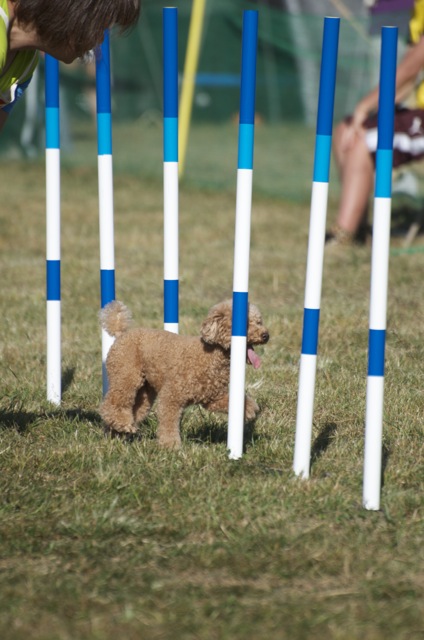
x,y
115,318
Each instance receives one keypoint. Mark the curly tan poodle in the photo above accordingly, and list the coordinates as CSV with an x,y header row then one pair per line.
x,y
146,364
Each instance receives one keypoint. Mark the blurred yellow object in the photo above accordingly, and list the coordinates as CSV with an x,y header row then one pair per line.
x,y
416,30
189,78
419,96
416,23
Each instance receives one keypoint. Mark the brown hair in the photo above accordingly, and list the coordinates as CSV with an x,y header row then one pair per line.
x,y
81,23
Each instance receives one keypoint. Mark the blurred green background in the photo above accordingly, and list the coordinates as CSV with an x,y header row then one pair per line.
x,y
289,53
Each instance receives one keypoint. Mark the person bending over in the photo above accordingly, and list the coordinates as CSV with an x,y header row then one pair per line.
x,y
65,29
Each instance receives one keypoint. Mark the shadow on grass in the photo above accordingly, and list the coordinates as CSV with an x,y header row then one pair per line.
x,y
67,379
19,420
22,421
384,462
207,430
213,431
322,441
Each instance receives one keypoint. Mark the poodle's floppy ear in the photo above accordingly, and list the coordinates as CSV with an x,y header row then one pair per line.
x,y
216,328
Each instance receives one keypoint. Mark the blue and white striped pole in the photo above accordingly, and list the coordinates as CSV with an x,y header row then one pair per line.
x,y
242,235
318,215
105,172
170,167
380,271
54,386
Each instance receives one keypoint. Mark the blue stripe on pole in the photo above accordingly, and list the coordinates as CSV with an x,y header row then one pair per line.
x,y
170,139
170,296
328,76
240,312
52,102
170,62
310,331
52,81
53,279
248,67
104,134
377,341
107,286
322,158
103,77
387,90
245,146
52,128
383,173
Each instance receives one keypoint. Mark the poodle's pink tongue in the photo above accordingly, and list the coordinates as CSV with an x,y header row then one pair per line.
x,y
254,359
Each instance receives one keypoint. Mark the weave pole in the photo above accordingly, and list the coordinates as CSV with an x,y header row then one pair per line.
x,y
170,167
54,386
315,259
242,235
105,175
380,271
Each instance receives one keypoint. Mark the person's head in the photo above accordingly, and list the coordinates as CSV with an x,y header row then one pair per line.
x,y
69,28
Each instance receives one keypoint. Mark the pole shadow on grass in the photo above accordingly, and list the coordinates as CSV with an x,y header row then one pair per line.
x,y
385,455
210,429
22,421
67,378
322,441
19,420
217,433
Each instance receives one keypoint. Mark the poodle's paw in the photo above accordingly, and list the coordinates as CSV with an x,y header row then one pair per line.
x,y
251,409
117,419
115,429
169,442
123,436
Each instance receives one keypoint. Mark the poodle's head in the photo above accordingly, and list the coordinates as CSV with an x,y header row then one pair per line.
x,y
217,328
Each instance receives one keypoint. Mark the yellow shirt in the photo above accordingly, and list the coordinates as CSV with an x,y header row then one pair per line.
x,y
21,68
416,31
416,23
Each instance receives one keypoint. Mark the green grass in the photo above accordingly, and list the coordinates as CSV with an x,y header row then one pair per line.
x,y
102,539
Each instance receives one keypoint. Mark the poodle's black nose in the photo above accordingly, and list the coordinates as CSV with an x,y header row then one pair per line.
x,y
265,337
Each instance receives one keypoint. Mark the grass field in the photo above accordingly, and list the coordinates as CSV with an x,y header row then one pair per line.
x,y
102,539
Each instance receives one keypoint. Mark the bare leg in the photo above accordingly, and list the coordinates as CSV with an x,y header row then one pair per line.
x,y
356,170
339,151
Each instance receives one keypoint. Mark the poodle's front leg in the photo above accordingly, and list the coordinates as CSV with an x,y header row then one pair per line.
x,y
251,409
219,404
169,416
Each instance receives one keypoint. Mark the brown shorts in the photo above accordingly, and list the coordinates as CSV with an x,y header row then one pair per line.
x,y
408,140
